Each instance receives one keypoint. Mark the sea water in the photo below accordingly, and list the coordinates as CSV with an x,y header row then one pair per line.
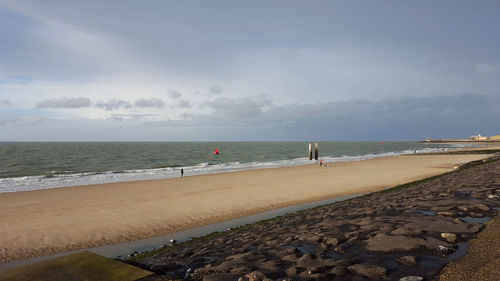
x,y
30,166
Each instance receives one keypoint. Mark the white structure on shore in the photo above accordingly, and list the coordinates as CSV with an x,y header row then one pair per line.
x,y
478,137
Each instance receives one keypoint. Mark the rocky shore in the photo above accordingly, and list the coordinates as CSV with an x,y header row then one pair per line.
x,y
406,233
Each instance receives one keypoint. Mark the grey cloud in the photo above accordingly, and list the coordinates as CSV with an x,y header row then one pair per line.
x,y
5,103
113,104
25,120
173,94
215,90
65,103
239,107
184,103
135,117
151,102
187,116
488,68
405,118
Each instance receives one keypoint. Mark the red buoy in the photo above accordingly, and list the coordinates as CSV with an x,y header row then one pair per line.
x,y
216,151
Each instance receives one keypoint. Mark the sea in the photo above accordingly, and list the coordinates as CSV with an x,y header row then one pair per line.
x,y
42,165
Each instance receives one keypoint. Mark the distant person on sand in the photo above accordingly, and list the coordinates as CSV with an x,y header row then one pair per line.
x,y
320,162
182,172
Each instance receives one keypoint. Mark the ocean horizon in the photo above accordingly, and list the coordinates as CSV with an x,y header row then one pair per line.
x,y
42,165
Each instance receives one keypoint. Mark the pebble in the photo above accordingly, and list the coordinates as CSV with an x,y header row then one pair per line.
x,y
450,237
444,250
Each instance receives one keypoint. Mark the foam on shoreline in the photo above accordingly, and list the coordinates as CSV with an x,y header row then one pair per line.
x,y
64,179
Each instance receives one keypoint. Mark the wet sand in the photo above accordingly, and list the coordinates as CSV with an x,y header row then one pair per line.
x,y
43,222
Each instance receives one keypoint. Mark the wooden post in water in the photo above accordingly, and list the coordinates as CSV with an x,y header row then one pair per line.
x,y
310,151
315,151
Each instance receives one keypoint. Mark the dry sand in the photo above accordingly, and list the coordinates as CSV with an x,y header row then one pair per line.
x,y
42,222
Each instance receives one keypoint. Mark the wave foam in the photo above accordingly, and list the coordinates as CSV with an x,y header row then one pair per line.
x,y
77,179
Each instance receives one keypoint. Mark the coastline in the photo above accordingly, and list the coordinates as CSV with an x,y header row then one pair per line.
x,y
64,174
56,220
409,232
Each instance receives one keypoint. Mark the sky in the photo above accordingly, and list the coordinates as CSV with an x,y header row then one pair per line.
x,y
248,70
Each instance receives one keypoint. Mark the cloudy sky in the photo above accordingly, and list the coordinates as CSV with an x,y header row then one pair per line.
x,y
248,70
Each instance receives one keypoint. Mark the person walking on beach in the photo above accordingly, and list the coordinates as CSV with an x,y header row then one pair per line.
x,y
182,172
320,162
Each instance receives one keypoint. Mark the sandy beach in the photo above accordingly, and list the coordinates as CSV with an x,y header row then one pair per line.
x,y
42,222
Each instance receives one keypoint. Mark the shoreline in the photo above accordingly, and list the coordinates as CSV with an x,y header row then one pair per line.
x,y
49,181
125,221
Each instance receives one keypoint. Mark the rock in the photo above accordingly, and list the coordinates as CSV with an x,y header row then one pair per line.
x,y
411,278
406,231
442,225
481,207
291,271
267,266
476,215
450,237
389,243
372,272
256,276
239,269
444,250
309,275
219,277
172,241
306,261
492,196
408,261
446,214
188,273
338,271
332,241
289,258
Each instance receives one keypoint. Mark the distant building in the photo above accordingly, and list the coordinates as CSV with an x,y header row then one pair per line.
x,y
478,138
